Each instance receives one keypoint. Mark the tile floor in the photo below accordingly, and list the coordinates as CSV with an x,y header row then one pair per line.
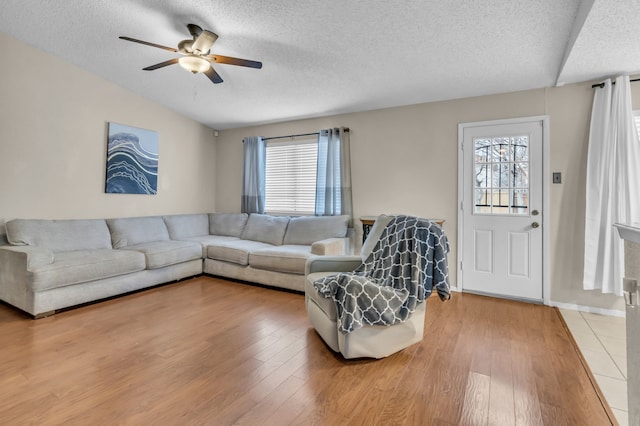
x,y
602,341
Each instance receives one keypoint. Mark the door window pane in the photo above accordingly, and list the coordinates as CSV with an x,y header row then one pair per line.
x,y
483,150
521,149
520,172
502,149
501,177
482,201
483,176
520,201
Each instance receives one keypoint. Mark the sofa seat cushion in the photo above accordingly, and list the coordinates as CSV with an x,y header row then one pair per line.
x,y
75,267
290,258
159,254
235,251
327,305
206,240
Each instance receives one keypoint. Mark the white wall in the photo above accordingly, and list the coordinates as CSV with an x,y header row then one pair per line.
x,y
53,133
404,160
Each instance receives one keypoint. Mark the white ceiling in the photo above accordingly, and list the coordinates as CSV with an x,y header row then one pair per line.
x,y
334,56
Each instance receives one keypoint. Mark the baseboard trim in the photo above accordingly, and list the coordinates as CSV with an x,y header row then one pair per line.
x,y
590,309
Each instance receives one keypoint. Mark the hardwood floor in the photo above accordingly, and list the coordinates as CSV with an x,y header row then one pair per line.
x,y
211,352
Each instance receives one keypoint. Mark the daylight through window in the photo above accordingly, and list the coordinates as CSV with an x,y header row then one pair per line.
x,y
502,175
290,186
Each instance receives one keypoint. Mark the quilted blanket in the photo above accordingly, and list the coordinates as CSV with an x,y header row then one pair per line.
x,y
408,261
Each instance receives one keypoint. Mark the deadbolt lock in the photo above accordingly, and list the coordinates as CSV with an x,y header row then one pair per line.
x,y
535,213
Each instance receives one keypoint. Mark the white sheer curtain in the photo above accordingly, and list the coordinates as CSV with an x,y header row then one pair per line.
x,y
333,182
253,179
613,185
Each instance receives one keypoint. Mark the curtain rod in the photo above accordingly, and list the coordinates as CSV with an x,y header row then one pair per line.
x,y
601,85
292,136
298,135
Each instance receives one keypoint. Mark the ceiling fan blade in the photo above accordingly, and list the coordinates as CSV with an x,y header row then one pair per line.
x,y
161,64
170,49
204,42
235,61
213,76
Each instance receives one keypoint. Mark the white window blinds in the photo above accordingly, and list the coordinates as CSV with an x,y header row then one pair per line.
x,y
290,186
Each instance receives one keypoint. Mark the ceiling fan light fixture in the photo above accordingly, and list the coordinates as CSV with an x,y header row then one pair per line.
x,y
194,64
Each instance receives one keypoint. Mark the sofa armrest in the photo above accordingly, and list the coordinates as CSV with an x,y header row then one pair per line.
x,y
15,262
29,256
330,247
332,264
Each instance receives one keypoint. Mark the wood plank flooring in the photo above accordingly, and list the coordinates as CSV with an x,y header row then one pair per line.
x,y
212,352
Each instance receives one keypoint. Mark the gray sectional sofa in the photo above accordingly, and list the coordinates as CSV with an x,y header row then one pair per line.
x,y
54,264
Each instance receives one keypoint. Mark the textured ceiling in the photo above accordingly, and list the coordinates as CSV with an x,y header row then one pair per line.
x,y
334,56
608,42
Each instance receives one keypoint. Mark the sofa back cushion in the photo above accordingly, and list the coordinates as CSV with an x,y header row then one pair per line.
x,y
265,228
374,235
307,230
129,231
60,235
182,226
3,234
227,224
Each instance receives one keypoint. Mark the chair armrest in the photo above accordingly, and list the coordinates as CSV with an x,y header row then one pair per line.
x,y
30,256
330,247
332,264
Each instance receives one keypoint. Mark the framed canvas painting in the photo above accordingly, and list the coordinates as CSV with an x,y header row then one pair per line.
x,y
132,160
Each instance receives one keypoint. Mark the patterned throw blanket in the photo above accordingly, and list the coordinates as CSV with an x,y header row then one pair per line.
x,y
409,259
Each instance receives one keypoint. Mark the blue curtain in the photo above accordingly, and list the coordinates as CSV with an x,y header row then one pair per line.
x,y
333,183
253,181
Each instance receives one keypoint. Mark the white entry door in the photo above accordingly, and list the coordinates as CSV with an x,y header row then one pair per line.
x,y
502,211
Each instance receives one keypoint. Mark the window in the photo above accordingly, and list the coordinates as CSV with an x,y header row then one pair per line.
x,y
502,175
290,184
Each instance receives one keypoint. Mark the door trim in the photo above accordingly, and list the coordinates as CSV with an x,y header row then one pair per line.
x,y
546,287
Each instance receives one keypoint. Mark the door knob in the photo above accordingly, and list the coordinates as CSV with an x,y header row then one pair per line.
x,y
535,225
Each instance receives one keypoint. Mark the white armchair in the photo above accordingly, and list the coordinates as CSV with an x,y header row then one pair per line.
x,y
371,341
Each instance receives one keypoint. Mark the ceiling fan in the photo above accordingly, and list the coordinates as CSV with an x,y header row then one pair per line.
x,y
196,54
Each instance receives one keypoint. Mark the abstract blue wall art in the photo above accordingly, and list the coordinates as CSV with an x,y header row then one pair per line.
x,y
132,160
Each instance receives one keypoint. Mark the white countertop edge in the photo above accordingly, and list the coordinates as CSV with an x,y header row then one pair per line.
x,y
629,232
